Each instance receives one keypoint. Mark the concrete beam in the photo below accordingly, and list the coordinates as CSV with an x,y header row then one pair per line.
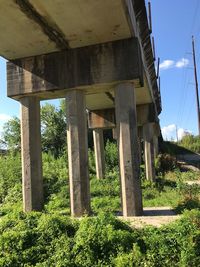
x,y
146,114
99,153
103,119
128,149
31,154
144,38
149,152
100,65
78,153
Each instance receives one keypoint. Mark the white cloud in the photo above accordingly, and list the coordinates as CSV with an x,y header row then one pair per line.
x,y
166,64
182,132
4,117
182,63
169,132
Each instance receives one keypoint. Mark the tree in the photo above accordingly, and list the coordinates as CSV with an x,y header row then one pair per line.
x,y
53,130
11,135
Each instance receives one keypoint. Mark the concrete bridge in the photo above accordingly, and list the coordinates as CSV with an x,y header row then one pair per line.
x,y
98,55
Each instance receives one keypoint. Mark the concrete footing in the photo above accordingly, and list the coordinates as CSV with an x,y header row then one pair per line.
x,y
31,154
128,150
77,153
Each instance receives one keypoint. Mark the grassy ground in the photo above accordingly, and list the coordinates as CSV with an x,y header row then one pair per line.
x,y
52,238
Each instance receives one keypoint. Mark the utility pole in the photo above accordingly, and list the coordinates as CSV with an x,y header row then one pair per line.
x,y
196,83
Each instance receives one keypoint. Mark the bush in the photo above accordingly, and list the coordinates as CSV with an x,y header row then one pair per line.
x,y
98,240
165,163
10,176
53,239
111,156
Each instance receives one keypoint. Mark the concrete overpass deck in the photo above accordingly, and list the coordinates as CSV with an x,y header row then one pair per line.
x,y
32,28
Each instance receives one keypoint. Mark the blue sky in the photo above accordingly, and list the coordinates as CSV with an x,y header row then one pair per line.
x,y
174,22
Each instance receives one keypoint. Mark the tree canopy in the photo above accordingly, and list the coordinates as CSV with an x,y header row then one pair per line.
x,y
53,130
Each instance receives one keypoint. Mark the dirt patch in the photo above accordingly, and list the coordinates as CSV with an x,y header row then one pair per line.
x,y
193,182
155,216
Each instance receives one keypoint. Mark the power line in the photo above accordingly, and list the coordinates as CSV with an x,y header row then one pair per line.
x,y
196,83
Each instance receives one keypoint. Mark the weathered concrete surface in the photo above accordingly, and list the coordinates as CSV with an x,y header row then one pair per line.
x,y
128,149
77,153
114,133
40,27
31,154
102,65
44,27
146,114
149,152
99,153
103,119
97,46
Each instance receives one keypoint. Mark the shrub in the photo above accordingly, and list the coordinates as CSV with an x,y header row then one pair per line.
x,y
98,240
10,175
165,163
111,156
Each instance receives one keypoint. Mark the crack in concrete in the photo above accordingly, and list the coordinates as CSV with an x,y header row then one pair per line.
x,y
53,34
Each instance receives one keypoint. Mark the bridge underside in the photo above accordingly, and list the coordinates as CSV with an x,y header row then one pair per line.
x,y
98,55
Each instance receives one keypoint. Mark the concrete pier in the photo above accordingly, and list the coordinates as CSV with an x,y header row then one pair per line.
x,y
99,153
149,152
128,149
156,146
77,153
31,154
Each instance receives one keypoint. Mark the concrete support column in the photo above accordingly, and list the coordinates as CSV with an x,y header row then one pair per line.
x,y
78,153
155,143
31,154
99,153
149,152
140,143
128,149
114,133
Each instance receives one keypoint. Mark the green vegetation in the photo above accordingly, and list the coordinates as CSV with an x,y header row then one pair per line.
x,y
191,143
36,239
52,238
